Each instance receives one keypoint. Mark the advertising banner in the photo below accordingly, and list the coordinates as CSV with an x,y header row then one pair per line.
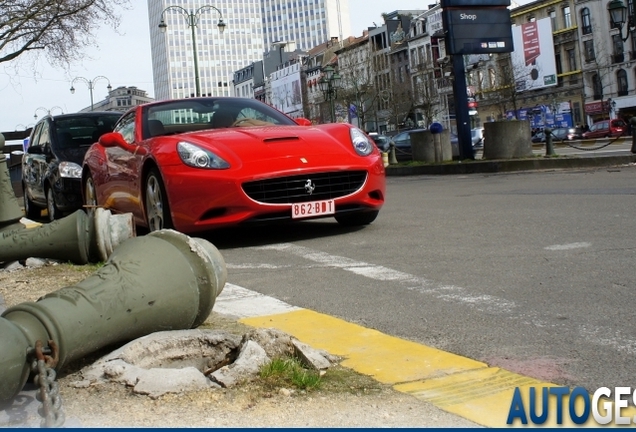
x,y
530,36
286,94
533,62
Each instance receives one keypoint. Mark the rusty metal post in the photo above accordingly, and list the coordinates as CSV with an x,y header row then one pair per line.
x,y
10,210
77,238
162,281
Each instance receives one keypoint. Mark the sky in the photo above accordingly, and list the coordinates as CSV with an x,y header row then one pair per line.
x,y
124,58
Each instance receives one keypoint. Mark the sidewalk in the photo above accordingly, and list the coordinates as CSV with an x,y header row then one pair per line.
x,y
509,165
589,159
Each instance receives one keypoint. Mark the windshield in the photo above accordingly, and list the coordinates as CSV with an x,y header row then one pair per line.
x,y
186,115
83,129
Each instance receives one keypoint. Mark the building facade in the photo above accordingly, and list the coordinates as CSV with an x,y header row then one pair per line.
x,y
308,23
121,99
218,54
251,27
608,61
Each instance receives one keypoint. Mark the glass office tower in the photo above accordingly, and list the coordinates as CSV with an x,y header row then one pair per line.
x,y
251,26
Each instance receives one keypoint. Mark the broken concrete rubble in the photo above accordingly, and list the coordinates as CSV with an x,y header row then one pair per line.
x,y
188,360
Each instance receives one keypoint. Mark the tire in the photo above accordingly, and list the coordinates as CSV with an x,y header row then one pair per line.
x,y
30,210
156,202
90,195
51,207
357,219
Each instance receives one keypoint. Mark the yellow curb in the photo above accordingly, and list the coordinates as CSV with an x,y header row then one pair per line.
x,y
456,384
388,359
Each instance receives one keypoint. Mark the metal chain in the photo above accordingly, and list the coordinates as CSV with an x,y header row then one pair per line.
x,y
43,367
588,148
398,150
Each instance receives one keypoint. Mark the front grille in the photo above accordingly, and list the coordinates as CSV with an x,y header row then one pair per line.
x,y
294,189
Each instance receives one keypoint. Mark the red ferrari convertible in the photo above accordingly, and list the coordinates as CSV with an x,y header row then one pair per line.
x,y
199,164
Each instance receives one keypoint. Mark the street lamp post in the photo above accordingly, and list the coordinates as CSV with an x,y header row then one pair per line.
x,y
48,111
618,16
329,85
192,19
91,85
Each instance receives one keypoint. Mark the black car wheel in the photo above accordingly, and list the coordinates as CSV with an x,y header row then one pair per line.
x,y
51,207
30,210
357,219
156,203
90,195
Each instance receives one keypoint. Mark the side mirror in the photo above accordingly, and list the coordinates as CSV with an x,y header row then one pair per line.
x,y
115,139
34,150
303,121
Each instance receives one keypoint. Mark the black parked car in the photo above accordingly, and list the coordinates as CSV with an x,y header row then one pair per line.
x,y
402,142
52,164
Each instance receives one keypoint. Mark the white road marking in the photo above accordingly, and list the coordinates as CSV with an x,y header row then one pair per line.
x,y
569,246
415,283
242,302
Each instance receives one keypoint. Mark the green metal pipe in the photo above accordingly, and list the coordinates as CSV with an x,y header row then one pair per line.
x,y
77,238
162,281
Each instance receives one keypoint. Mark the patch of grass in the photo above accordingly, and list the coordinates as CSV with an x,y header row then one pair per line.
x,y
277,367
282,372
305,379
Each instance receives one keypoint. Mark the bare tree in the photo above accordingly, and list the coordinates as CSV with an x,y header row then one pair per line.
x,y
398,99
513,79
425,92
60,29
358,89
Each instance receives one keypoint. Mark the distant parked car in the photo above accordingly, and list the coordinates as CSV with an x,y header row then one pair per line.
x,y
575,133
52,164
402,143
477,137
559,134
606,129
381,141
538,137
556,134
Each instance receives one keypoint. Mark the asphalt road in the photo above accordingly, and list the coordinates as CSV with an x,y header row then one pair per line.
x,y
531,271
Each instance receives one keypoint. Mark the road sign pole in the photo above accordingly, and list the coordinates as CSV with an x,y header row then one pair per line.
x,y
461,108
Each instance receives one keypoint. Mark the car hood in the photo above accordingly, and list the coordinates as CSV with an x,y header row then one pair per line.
x,y
75,154
263,144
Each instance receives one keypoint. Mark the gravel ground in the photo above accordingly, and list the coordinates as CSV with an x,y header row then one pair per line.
x,y
361,401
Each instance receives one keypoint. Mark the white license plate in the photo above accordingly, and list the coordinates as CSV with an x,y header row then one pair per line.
x,y
313,208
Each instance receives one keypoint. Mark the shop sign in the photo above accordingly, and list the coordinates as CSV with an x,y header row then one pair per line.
x,y
597,107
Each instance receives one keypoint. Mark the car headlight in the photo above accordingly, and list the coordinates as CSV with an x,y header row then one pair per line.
x,y
361,143
197,157
70,170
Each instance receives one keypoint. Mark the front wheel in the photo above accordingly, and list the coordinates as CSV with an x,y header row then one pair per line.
x,y
90,195
30,210
156,202
358,218
51,207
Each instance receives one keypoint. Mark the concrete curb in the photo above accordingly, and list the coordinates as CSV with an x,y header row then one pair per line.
x,y
495,166
458,385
